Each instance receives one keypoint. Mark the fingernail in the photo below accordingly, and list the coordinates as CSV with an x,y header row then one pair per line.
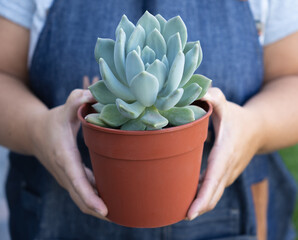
x,y
99,212
194,216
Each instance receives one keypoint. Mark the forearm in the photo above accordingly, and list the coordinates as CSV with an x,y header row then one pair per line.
x,y
19,110
276,114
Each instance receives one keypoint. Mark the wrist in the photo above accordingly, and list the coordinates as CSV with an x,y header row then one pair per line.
x,y
35,126
257,128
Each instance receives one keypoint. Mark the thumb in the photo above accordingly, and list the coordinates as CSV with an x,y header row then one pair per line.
x,y
76,98
218,100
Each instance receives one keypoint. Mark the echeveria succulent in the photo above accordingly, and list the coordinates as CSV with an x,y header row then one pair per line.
x,y
147,73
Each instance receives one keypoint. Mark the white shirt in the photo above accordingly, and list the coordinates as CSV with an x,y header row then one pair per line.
x,y
276,18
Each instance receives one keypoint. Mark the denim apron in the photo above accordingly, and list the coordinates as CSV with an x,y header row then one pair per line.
x,y
41,209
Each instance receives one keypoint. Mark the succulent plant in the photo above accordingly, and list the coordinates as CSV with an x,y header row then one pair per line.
x,y
147,73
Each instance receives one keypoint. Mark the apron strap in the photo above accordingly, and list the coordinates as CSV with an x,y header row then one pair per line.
x,y
260,192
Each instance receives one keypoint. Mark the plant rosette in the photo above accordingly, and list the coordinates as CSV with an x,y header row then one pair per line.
x,y
144,138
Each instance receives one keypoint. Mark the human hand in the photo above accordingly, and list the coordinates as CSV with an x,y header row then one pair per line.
x,y
55,134
236,142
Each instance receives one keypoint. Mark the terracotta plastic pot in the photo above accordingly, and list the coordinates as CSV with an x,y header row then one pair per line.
x,y
146,178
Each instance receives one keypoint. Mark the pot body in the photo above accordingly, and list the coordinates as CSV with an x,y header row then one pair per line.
x,y
146,178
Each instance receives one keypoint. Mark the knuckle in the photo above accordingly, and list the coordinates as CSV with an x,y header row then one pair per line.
x,y
211,206
88,203
76,182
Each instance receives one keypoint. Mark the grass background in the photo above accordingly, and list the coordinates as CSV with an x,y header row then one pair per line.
x,y
290,157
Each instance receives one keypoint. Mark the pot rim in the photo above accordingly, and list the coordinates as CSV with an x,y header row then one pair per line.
x,y
144,132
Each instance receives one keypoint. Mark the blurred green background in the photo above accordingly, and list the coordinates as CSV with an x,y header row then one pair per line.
x,y
290,156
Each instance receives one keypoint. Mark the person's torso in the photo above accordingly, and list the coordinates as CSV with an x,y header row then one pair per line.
x,y
64,54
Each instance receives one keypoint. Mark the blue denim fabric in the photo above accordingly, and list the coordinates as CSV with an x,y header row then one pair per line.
x,y
41,209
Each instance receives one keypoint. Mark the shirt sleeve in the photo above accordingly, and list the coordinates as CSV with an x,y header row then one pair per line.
x,y
18,11
282,20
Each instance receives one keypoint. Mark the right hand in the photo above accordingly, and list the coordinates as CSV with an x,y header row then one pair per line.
x,y
54,138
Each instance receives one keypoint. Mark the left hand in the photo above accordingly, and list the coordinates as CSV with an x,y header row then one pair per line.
x,y
236,141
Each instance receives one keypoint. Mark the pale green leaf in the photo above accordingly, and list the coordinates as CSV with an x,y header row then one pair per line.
x,y
134,125
157,43
202,81
129,110
119,55
191,60
174,46
154,119
111,116
179,115
101,93
112,83
191,93
159,70
173,26
149,22
94,119
174,76
127,26
165,103
148,55
190,45
136,39
145,88
165,62
134,65
98,106
162,22
198,111
104,48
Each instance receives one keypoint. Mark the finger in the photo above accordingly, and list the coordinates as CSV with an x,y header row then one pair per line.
x,y
76,174
88,195
213,178
201,204
86,82
216,97
218,194
91,179
76,198
90,176
73,177
95,79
